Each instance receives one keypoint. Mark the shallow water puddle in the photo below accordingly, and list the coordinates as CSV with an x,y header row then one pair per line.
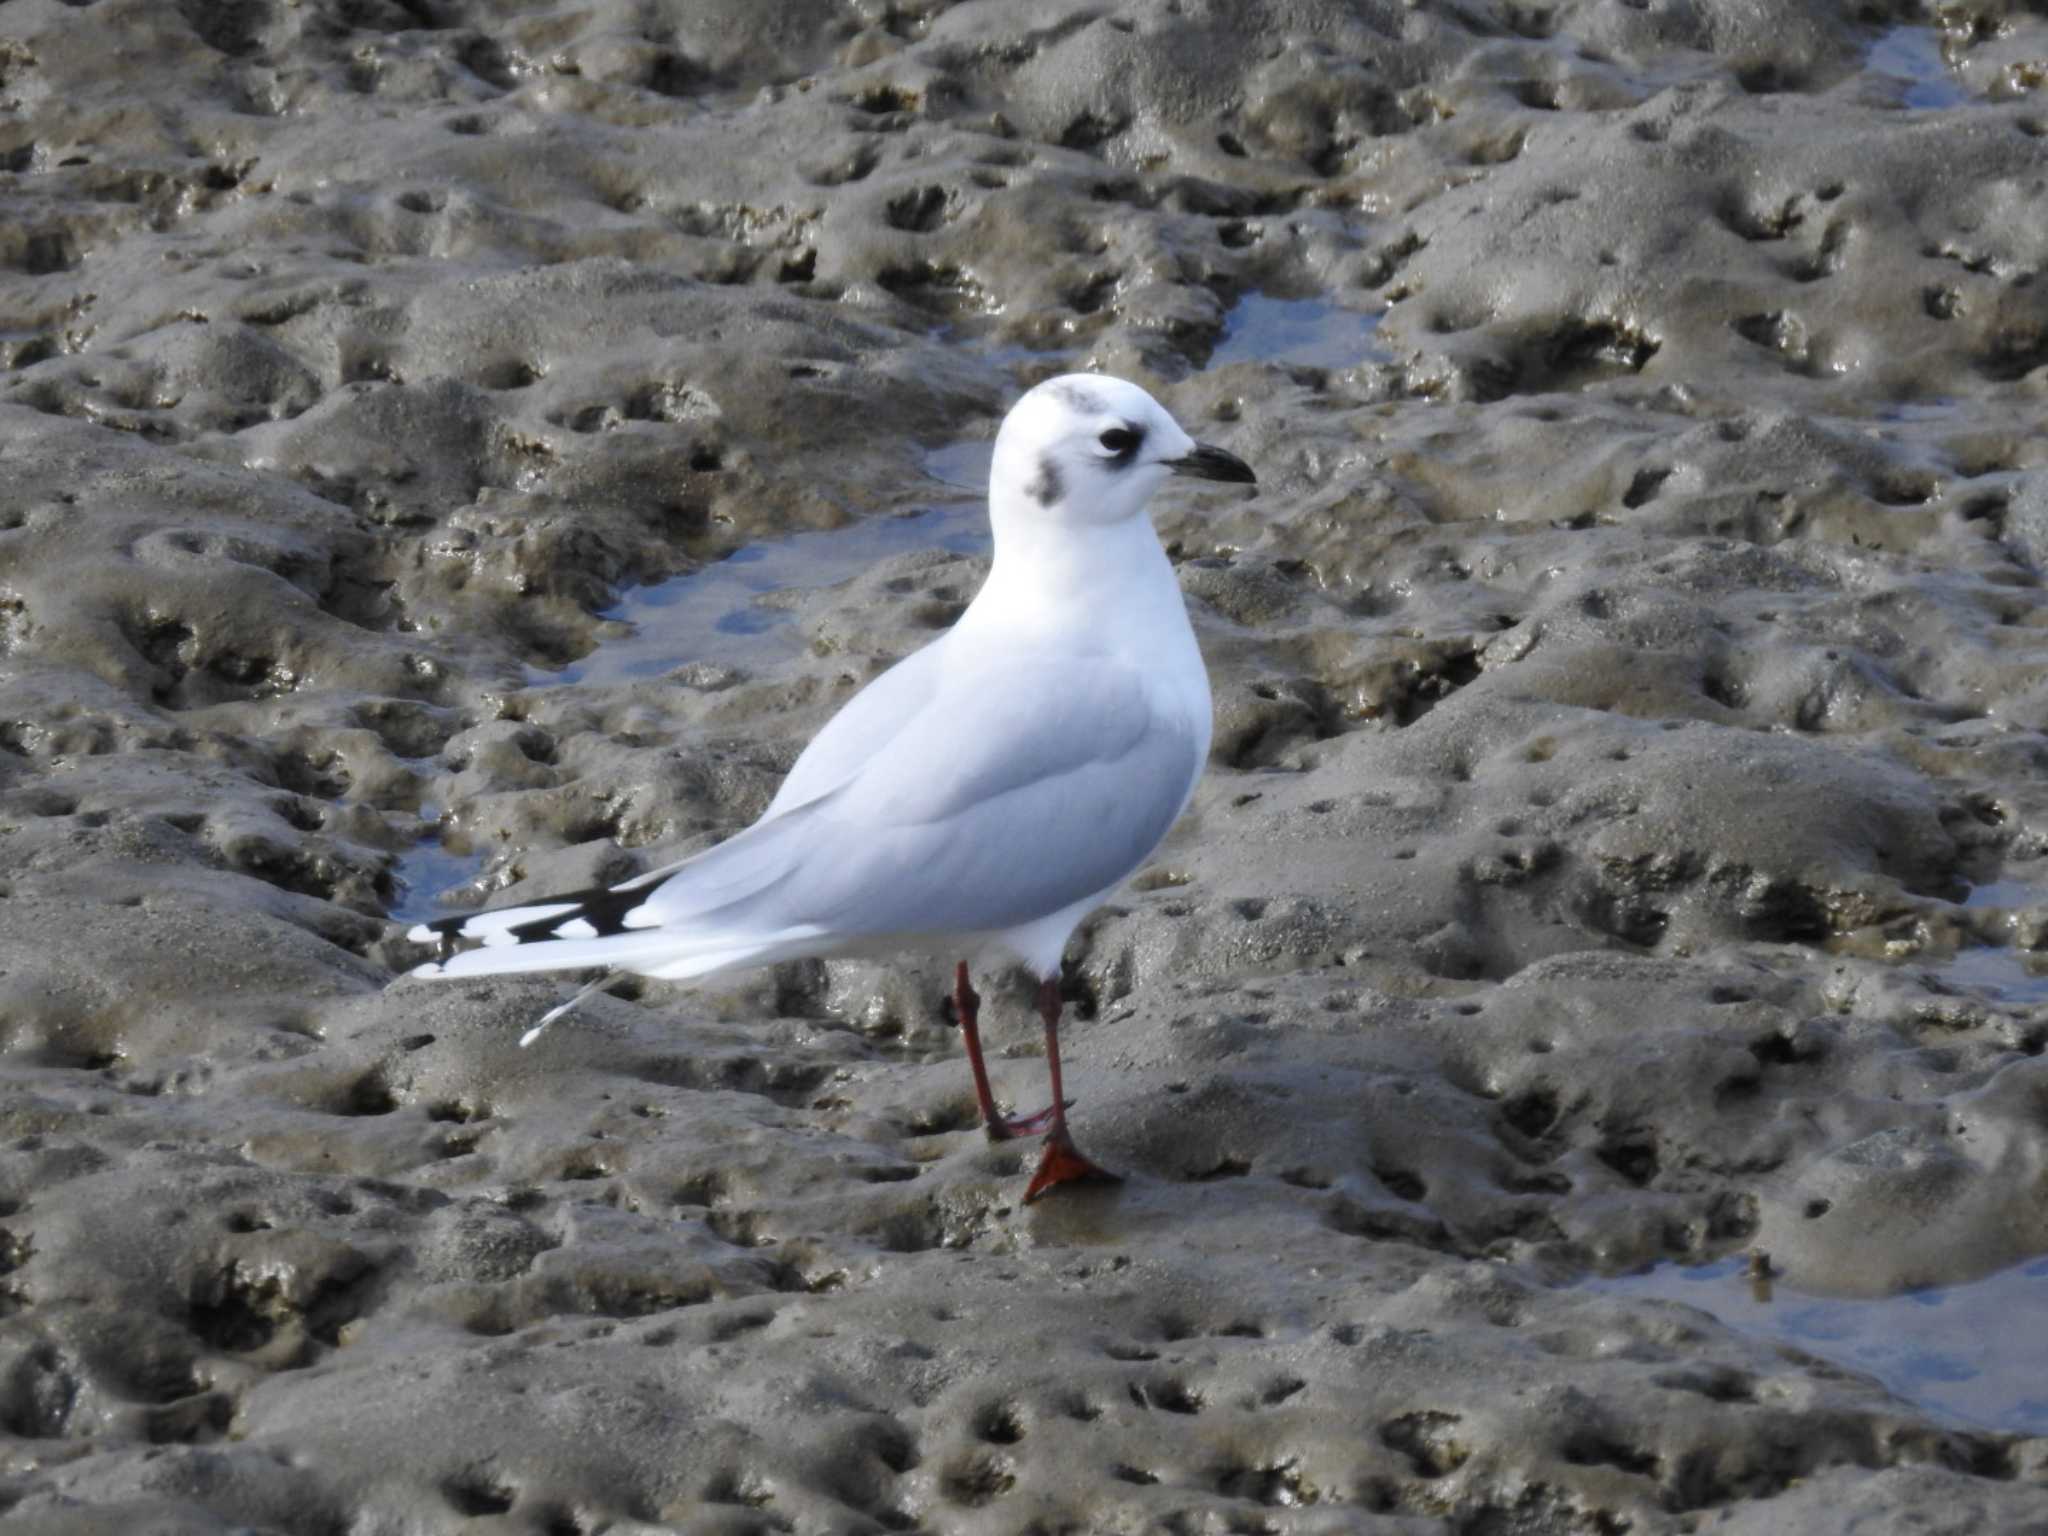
x,y
1311,332
1960,1350
2006,893
425,871
963,466
1919,410
2004,973
1913,54
2008,975
711,614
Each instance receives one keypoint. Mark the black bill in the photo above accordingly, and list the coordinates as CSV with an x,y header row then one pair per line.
x,y
1207,463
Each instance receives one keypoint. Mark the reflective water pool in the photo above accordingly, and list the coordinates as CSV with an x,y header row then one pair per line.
x,y
712,614
425,871
1313,333
1913,54
1951,1349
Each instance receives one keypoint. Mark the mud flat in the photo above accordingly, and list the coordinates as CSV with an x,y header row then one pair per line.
x,y
1623,870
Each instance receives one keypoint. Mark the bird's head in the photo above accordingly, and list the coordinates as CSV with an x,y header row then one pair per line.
x,y
1087,449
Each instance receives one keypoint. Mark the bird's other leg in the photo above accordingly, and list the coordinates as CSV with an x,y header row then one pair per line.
x,y
1062,1162
967,1008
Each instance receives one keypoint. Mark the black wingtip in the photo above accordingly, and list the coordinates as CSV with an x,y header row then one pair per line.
x,y
604,908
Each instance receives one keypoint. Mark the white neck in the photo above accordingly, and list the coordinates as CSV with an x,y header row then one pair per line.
x,y
1092,590
1114,575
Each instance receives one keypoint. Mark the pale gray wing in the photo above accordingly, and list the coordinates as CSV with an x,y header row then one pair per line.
x,y
866,724
758,859
1005,798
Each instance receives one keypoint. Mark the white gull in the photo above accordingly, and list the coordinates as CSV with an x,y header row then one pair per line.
x,y
978,799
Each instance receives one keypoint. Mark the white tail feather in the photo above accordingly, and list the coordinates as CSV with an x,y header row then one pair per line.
x,y
620,951
664,956
554,1013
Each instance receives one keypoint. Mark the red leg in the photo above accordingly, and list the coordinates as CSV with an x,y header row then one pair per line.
x,y
1000,1127
1062,1162
967,1006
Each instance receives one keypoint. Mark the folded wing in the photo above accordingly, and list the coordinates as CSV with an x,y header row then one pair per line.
x,y
984,808
990,806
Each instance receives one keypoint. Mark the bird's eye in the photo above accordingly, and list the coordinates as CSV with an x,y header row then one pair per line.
x,y
1119,440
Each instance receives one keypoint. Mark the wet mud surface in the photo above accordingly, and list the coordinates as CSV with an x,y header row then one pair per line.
x,y
476,445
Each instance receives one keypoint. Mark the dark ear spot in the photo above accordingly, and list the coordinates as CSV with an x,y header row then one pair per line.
x,y
1046,487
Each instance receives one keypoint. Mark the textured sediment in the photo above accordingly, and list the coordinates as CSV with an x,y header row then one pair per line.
x,y
1630,705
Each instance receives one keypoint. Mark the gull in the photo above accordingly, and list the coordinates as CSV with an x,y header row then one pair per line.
x,y
979,798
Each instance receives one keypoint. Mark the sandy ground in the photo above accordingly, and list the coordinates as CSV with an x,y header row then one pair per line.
x,y
1623,846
